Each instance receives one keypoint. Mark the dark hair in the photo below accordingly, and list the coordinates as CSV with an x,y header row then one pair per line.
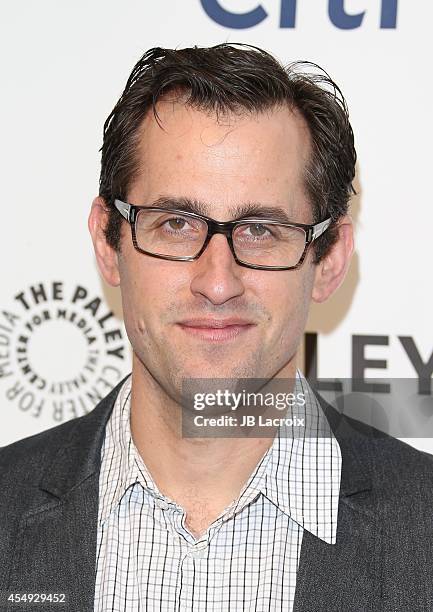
x,y
223,79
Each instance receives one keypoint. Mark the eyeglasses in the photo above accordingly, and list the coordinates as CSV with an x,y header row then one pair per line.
x,y
255,243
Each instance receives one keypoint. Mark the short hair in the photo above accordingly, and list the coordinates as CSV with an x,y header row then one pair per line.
x,y
233,78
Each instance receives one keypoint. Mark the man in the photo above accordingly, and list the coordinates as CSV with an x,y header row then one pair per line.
x,y
222,213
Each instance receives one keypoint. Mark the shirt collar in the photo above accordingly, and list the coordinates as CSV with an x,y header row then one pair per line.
x,y
121,465
299,473
304,469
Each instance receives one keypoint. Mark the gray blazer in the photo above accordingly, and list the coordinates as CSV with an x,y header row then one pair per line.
x,y
382,561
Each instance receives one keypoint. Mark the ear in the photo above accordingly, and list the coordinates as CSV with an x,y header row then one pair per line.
x,y
106,256
330,272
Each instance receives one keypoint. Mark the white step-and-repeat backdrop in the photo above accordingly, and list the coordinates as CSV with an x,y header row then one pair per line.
x,y
64,64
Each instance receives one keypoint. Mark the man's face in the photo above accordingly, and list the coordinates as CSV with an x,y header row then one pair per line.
x,y
253,158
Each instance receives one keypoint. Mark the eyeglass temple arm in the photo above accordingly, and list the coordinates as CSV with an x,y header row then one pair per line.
x,y
319,228
123,208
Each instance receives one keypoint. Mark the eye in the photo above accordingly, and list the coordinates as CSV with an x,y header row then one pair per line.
x,y
260,228
176,220
256,232
180,224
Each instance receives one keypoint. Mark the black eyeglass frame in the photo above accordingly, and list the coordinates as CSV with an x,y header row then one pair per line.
x,y
312,232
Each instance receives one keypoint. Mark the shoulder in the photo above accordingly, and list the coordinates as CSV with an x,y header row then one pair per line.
x,y
381,449
34,451
377,448
22,461
401,475
24,464
37,467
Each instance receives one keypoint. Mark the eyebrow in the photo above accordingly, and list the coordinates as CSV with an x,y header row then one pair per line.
x,y
242,211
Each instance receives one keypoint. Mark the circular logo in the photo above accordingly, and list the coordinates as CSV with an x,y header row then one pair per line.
x,y
61,350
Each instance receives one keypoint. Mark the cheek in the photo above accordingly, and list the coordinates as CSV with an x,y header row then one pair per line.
x,y
147,290
133,283
289,304
141,304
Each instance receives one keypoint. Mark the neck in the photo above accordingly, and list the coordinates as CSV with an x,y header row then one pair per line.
x,y
186,469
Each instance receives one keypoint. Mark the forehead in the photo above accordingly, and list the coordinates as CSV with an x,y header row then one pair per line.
x,y
223,160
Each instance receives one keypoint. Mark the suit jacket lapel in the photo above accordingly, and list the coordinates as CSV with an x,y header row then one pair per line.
x,y
56,543
344,575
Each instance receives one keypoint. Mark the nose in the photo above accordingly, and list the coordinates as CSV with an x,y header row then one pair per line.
x,y
216,275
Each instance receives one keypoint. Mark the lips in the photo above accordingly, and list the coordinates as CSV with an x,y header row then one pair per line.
x,y
215,323
216,330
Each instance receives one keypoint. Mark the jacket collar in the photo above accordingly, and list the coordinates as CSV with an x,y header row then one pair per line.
x,y
347,575
79,458
354,438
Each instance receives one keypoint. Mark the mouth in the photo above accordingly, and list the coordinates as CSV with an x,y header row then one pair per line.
x,y
216,330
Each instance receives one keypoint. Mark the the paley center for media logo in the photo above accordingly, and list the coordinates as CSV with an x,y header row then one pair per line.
x,y
61,350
